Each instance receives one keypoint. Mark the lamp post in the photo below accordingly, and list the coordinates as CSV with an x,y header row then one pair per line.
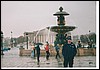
x,y
89,35
11,40
2,43
90,39
27,39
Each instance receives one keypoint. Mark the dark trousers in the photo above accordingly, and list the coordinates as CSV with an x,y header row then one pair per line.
x,y
47,55
68,62
38,58
34,52
57,54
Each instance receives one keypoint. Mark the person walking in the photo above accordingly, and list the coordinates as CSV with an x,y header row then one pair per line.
x,y
47,51
38,54
68,52
57,51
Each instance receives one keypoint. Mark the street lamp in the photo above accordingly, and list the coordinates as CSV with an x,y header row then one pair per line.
x,y
2,43
89,40
89,36
27,39
11,40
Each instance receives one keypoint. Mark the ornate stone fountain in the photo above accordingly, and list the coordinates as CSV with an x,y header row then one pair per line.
x,y
61,29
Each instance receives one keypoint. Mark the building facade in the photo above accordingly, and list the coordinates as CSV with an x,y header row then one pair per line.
x,y
41,36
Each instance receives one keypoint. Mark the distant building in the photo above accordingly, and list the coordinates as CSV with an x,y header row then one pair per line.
x,y
41,36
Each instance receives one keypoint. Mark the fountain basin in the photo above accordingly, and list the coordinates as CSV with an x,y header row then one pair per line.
x,y
61,29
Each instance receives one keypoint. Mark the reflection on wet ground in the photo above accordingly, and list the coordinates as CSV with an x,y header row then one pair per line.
x,y
12,59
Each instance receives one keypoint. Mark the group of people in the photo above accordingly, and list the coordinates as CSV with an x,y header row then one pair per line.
x,y
68,51
37,48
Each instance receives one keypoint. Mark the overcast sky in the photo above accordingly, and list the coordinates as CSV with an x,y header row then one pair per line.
x,y
28,16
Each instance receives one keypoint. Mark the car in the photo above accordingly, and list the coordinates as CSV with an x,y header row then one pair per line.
x,y
6,48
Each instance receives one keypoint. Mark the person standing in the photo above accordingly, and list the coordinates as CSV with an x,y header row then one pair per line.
x,y
38,53
79,44
68,52
32,52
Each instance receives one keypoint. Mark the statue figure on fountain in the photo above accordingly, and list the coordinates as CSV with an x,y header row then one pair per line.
x,y
61,20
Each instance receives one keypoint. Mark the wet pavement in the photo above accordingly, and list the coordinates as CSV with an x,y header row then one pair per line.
x,y
11,59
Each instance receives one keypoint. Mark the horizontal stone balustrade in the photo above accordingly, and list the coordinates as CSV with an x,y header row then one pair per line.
x,y
80,52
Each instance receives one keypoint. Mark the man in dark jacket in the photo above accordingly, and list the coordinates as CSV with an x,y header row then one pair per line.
x,y
38,53
68,52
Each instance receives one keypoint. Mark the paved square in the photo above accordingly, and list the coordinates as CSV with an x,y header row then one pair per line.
x,y
12,59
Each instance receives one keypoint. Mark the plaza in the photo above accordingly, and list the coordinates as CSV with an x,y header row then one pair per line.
x,y
11,59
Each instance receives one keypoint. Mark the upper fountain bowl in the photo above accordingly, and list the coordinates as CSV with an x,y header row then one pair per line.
x,y
61,13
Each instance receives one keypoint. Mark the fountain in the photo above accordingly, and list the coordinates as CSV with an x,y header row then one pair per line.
x,y
61,29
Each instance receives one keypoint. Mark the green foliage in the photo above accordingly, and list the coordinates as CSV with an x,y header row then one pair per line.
x,y
20,39
87,38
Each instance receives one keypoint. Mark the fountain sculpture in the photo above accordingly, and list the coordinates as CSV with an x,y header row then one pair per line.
x,y
61,29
